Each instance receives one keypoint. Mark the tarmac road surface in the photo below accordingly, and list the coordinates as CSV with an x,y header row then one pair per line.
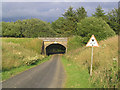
x,y
46,75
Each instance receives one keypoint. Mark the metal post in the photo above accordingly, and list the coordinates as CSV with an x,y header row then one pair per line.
x,y
91,62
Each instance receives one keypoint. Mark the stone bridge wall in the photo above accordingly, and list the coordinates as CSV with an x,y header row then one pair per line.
x,y
49,41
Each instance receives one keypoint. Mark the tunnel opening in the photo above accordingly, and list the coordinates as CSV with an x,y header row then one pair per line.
x,y
55,49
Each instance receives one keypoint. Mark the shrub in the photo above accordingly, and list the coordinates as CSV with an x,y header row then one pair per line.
x,y
75,42
94,26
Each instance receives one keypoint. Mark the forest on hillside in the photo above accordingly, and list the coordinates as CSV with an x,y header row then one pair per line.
x,y
73,23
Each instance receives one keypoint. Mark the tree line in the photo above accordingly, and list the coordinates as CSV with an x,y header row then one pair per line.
x,y
70,24
27,28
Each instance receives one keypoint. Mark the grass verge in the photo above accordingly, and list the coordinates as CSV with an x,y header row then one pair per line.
x,y
7,74
105,64
77,77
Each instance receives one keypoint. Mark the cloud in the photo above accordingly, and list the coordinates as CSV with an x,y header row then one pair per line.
x,y
32,12
49,9
30,9
20,12
55,12
61,1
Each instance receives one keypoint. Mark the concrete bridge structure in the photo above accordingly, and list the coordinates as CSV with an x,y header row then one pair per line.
x,y
56,42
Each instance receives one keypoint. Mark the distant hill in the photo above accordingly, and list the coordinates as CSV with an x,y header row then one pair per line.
x,y
13,19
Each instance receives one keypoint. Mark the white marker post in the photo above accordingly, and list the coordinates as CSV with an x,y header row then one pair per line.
x,y
92,43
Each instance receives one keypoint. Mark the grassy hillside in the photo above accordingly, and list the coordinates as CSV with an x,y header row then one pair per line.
x,y
105,65
19,52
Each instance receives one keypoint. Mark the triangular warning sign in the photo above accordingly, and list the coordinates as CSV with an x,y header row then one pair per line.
x,y
92,42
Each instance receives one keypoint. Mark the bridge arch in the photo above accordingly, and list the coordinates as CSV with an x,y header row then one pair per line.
x,y
52,43
55,49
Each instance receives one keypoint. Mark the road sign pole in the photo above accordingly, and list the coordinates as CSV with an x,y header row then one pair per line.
x,y
92,43
91,62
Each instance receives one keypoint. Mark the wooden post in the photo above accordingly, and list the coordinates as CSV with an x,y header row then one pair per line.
x,y
91,62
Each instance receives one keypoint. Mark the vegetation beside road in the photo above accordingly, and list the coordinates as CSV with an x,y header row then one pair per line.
x,y
77,77
105,62
19,54
105,65
14,71
88,27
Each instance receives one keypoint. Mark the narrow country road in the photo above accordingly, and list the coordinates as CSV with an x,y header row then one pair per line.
x,y
47,75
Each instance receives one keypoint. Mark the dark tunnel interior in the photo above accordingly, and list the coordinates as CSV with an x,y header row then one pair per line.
x,y
55,49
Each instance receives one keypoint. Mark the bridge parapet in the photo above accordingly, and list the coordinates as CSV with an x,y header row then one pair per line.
x,y
54,39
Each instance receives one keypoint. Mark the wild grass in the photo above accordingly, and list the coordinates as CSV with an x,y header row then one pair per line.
x,y
20,52
14,71
105,62
17,40
28,43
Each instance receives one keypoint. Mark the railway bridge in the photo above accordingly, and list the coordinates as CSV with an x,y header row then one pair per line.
x,y
54,45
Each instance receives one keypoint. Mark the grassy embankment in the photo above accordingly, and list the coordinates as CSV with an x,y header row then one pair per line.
x,y
105,65
20,54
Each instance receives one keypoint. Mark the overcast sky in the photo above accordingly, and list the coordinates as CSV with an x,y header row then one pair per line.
x,y
48,10
60,0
